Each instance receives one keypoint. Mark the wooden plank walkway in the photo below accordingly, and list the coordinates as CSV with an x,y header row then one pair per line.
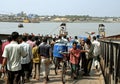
x,y
94,78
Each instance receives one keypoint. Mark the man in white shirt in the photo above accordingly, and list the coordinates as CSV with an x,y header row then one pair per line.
x,y
25,61
12,57
96,51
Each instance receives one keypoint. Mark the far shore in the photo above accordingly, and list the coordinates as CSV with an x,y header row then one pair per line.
x,y
69,22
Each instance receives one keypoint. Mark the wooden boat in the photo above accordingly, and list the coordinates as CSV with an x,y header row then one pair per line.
x,y
20,25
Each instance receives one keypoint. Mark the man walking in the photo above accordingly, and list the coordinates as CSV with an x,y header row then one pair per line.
x,y
25,61
12,57
96,51
45,52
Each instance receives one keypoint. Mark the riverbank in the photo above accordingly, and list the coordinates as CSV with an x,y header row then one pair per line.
x,y
63,21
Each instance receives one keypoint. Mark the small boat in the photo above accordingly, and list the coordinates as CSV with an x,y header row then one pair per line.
x,y
20,26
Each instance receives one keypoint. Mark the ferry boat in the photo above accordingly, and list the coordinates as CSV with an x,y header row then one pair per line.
x,y
63,30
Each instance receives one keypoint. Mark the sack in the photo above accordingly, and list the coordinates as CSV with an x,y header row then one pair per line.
x,y
48,61
90,53
37,59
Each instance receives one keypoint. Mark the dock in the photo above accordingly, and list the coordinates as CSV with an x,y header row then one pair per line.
x,y
109,72
94,78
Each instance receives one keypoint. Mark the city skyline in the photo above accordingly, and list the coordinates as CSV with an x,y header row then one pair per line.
x,y
99,8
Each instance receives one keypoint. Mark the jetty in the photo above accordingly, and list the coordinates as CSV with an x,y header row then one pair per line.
x,y
109,72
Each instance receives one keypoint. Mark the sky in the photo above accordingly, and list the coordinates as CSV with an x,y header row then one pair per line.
x,y
100,8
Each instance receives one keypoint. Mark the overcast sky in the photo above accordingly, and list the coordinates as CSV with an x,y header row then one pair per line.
x,y
62,7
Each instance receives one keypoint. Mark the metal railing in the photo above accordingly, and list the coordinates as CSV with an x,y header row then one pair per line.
x,y
110,61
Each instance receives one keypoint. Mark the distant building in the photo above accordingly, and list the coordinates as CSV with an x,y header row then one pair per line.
x,y
60,19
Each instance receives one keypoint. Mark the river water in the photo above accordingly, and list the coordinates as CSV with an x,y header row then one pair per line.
x,y
74,29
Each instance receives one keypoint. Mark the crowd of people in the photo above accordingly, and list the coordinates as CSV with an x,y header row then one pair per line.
x,y
22,55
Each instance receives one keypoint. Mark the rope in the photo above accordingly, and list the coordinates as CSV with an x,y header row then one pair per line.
x,y
53,30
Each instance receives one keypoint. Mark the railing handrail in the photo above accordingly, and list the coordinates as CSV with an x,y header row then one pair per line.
x,y
110,56
110,41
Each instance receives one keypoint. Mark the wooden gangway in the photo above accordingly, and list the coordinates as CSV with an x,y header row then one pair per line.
x,y
95,77
109,72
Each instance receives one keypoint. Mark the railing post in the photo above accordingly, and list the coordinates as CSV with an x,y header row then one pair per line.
x,y
111,63
114,54
118,65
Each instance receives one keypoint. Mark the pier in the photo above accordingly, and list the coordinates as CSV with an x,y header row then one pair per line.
x,y
109,72
110,67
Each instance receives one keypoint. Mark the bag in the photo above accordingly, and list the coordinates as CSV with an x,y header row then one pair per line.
x,y
90,53
48,61
37,59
